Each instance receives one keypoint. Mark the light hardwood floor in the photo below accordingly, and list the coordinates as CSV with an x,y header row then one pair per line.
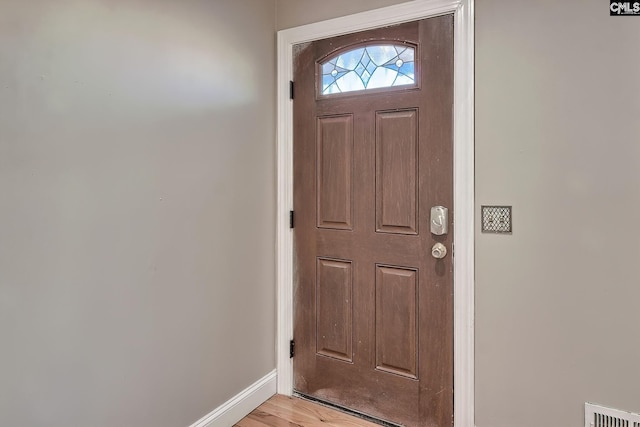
x,y
282,411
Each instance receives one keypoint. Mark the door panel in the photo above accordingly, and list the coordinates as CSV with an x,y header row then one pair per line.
x,y
397,171
373,314
334,311
334,166
397,321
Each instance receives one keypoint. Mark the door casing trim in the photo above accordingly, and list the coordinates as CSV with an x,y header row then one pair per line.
x,y
463,158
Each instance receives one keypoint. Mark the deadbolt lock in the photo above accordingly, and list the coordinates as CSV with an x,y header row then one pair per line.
x,y
439,220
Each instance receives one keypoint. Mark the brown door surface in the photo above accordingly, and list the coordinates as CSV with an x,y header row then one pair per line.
x,y
373,314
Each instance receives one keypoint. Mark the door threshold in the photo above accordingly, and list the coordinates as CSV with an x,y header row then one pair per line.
x,y
346,410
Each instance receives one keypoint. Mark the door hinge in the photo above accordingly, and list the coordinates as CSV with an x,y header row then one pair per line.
x,y
290,89
290,219
292,348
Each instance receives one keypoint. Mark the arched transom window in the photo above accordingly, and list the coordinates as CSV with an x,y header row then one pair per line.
x,y
369,67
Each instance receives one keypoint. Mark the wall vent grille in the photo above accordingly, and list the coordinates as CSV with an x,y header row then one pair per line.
x,y
600,416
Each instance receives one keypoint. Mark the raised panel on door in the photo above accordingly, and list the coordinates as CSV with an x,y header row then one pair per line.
x,y
396,320
334,280
397,171
334,171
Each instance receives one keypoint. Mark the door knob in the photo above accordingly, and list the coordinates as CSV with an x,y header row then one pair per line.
x,y
439,251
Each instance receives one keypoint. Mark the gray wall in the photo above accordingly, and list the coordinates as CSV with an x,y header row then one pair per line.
x,y
291,13
557,107
557,136
137,200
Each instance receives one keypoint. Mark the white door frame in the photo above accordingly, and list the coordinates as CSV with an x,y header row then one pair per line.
x,y
463,158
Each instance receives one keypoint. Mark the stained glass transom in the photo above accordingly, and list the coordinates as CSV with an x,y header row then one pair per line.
x,y
370,67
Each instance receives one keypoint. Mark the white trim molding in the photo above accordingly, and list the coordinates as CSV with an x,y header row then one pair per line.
x,y
241,404
464,403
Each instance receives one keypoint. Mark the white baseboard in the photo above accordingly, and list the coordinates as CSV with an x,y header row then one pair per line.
x,y
241,404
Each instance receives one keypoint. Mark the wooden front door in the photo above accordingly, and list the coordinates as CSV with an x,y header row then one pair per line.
x,y
373,314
